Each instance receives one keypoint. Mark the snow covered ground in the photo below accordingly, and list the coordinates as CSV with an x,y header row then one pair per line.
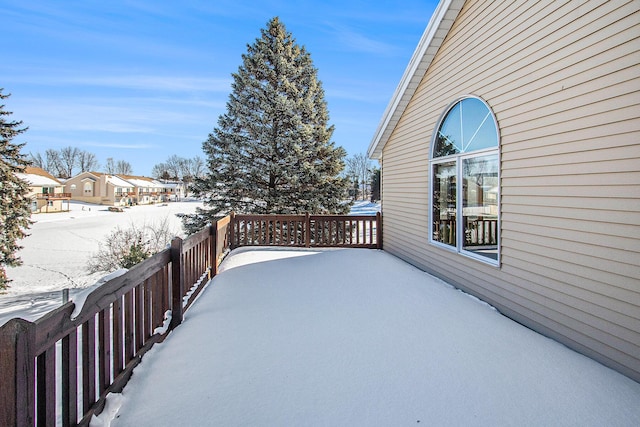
x,y
350,337
364,207
59,245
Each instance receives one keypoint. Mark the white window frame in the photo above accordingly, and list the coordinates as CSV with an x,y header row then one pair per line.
x,y
459,159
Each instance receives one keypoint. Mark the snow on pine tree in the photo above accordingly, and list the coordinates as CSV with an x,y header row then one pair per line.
x,y
15,210
272,151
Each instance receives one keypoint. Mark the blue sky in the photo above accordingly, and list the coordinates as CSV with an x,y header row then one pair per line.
x,y
143,80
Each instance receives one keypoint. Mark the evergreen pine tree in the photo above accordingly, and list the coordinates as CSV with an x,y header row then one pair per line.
x,y
272,150
14,205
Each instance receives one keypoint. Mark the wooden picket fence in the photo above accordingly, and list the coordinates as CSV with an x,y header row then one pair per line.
x,y
93,353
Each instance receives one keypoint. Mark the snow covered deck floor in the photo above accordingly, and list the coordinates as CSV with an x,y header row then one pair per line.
x,y
359,338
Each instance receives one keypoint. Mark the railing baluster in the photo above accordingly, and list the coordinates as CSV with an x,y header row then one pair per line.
x,y
129,317
147,309
69,377
116,321
88,364
46,387
104,346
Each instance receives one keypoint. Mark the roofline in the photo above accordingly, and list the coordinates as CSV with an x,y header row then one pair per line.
x,y
439,25
34,170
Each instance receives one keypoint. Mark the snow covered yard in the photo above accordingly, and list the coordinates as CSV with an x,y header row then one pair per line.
x,y
359,338
57,251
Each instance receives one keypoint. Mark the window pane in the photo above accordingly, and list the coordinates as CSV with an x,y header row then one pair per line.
x,y
480,205
478,126
468,126
449,140
444,203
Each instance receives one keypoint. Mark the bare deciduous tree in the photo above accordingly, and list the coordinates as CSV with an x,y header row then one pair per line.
x,y
87,161
37,160
63,163
68,161
179,168
359,169
197,167
53,164
174,166
124,168
110,166
160,171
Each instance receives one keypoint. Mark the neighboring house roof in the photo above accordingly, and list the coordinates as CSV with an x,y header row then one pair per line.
x,y
119,182
83,176
140,181
441,22
37,177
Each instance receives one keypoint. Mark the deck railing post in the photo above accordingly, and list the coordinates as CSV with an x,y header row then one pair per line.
x,y
378,230
232,232
17,392
177,282
213,245
307,230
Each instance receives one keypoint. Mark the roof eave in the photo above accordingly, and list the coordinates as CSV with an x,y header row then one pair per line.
x,y
439,25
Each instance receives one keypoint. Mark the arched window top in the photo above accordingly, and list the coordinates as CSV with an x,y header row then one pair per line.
x,y
469,125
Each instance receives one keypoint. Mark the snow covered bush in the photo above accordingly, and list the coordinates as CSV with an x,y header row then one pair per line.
x,y
126,247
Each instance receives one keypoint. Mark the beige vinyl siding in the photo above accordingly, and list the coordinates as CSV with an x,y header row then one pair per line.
x,y
563,79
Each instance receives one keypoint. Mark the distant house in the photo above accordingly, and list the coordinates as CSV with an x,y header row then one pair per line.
x,y
119,190
46,192
101,188
173,191
510,157
148,190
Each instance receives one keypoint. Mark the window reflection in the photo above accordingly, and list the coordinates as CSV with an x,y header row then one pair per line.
x,y
480,205
444,203
468,126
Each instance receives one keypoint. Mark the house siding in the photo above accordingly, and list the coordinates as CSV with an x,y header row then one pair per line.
x,y
563,80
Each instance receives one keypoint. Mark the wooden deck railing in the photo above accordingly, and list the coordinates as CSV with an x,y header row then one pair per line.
x,y
53,196
93,352
350,231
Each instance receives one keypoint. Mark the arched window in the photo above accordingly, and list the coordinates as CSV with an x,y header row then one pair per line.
x,y
465,181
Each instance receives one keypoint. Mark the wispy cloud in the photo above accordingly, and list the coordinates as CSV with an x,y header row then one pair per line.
x,y
120,146
122,81
351,39
115,115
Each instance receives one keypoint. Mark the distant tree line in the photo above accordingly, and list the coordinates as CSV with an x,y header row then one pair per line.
x,y
180,169
118,167
364,178
70,161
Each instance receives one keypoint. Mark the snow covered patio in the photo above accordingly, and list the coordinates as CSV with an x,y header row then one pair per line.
x,y
355,337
